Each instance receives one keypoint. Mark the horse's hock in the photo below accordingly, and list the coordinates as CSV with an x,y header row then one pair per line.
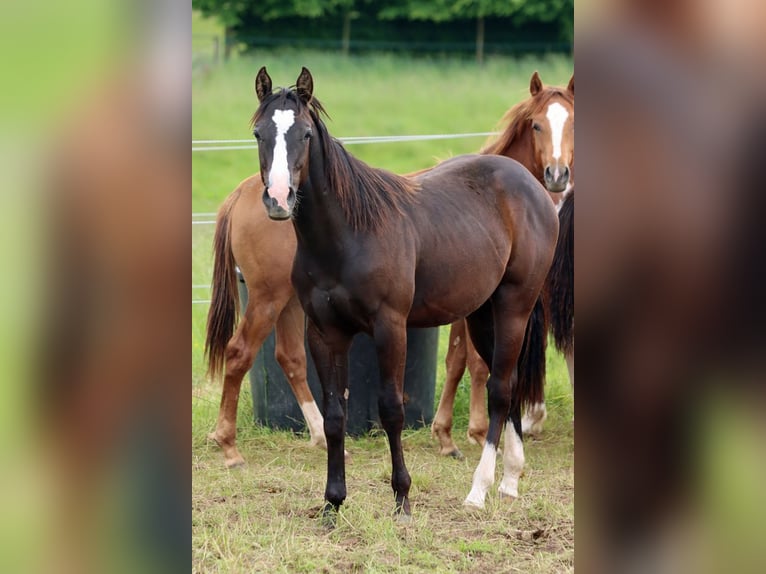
x,y
275,406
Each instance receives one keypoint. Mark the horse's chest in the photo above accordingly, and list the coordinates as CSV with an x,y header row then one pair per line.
x,y
327,301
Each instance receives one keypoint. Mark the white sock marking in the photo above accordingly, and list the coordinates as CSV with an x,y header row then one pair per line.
x,y
557,116
279,176
314,422
483,476
513,462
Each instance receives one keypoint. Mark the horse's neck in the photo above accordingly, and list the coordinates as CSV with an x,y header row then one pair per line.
x,y
521,150
319,220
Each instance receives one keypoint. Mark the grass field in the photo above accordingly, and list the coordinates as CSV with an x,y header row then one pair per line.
x,y
262,518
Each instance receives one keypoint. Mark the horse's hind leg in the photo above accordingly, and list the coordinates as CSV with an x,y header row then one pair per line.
x,y
477,422
291,356
497,331
455,362
257,322
513,454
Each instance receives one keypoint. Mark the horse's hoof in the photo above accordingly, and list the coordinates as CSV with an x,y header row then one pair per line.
x,y
403,519
318,443
347,456
237,462
473,505
507,497
329,518
456,454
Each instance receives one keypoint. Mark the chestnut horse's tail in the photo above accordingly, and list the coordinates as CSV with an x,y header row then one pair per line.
x,y
559,285
531,365
224,304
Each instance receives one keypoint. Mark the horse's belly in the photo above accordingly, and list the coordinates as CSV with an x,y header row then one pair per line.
x,y
446,295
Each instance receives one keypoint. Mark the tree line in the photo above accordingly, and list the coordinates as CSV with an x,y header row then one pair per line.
x,y
501,25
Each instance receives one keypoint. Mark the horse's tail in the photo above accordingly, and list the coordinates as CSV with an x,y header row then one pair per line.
x,y
559,285
224,305
531,365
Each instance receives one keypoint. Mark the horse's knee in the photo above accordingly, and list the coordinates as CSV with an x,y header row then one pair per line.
x,y
478,368
334,422
292,364
239,358
391,410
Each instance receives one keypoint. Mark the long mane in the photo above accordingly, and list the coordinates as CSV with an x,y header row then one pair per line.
x,y
516,119
369,197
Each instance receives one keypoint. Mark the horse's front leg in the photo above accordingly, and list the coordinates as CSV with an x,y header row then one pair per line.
x,y
441,428
390,336
291,356
330,353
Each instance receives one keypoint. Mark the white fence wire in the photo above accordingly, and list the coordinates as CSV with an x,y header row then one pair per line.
x,y
225,145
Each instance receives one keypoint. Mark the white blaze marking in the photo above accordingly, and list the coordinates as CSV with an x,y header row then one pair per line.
x,y
557,116
279,176
315,423
513,462
483,477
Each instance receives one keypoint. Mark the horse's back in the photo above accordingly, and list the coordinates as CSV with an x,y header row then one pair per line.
x,y
496,191
478,216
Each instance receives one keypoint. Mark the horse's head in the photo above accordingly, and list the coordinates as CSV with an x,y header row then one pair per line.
x,y
552,123
283,128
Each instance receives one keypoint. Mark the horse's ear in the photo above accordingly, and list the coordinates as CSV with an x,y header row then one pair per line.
x,y
304,85
535,84
262,84
570,86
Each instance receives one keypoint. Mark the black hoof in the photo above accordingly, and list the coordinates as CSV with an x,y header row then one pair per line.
x,y
457,455
329,516
402,512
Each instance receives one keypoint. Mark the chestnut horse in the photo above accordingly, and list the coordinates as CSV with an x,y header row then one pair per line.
x,y
247,238
373,249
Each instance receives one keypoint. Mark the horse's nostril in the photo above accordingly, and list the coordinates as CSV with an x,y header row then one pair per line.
x,y
547,172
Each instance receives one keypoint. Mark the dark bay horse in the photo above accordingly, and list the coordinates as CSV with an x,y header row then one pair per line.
x,y
373,252
263,250
539,134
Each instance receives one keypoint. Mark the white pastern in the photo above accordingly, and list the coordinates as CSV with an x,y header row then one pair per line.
x,y
483,477
557,116
279,176
315,423
513,462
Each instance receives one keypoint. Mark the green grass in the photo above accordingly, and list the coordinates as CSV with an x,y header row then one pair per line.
x,y
262,518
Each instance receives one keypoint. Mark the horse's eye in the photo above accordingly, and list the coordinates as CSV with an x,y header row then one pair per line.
x,y
537,127
257,135
308,136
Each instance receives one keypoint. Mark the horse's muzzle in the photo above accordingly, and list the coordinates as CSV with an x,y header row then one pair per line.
x,y
276,211
556,178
